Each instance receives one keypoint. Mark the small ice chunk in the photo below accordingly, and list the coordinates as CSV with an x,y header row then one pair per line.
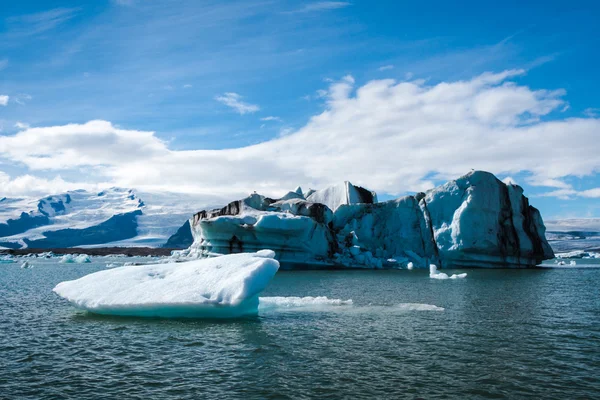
x,y
434,274
410,265
26,265
67,259
82,259
70,259
573,263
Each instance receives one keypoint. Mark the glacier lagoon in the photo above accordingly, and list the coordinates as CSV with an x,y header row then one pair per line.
x,y
386,333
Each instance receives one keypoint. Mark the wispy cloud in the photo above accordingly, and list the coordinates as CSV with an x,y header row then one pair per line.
x,y
124,2
4,100
591,112
385,68
22,98
33,24
271,118
320,6
3,64
234,100
21,125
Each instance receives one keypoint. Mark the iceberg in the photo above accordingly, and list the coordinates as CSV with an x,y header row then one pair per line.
x,y
473,221
222,287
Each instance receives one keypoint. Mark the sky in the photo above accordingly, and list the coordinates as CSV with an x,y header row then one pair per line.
x,y
218,99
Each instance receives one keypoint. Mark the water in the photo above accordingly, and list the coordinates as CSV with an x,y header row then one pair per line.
x,y
500,334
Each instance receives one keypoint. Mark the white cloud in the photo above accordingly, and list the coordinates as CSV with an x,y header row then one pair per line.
x,y
3,64
385,68
4,100
187,86
234,101
28,185
21,125
387,135
591,193
96,144
271,118
509,181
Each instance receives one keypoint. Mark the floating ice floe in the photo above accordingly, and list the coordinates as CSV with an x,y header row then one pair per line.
x,y
221,287
418,307
322,304
434,274
308,303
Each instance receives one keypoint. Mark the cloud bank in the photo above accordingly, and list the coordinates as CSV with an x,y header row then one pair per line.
x,y
391,136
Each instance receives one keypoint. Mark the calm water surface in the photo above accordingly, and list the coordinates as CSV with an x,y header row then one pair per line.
x,y
502,334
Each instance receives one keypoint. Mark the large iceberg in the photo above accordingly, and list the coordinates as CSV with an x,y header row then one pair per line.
x,y
223,287
473,221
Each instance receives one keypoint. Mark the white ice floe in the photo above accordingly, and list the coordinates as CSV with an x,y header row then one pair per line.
x,y
418,307
322,304
221,287
434,274
305,303
26,265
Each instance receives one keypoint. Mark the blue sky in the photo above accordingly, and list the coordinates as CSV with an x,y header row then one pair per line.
x,y
227,75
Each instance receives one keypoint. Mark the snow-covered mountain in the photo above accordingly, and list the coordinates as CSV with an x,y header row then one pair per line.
x,y
574,234
112,217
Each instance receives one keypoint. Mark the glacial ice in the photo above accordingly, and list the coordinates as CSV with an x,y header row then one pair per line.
x,y
26,265
221,287
473,221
